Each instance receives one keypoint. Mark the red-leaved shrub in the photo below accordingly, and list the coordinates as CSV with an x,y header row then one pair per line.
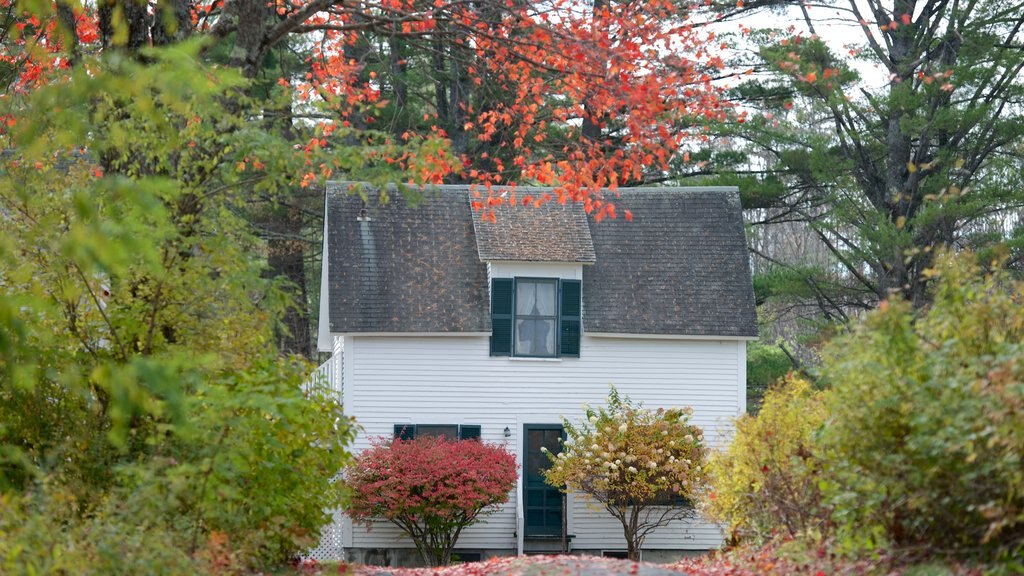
x,y
430,487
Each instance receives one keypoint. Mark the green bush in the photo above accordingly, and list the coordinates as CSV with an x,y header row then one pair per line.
x,y
923,448
245,485
43,533
147,422
765,482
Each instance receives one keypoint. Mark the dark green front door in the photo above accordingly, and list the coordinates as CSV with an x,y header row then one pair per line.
x,y
543,504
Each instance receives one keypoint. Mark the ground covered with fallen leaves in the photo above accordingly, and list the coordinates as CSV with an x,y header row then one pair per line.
x,y
768,561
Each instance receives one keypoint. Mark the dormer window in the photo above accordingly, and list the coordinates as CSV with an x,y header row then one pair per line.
x,y
535,317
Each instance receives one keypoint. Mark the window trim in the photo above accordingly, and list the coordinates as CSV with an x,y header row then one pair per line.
x,y
555,318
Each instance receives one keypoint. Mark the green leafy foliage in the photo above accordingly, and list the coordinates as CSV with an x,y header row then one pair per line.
x,y
766,482
925,437
914,446
146,420
643,466
45,534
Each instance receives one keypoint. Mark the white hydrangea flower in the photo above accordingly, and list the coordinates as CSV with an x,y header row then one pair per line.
x,y
631,469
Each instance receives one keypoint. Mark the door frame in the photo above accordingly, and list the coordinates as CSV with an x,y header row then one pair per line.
x,y
526,458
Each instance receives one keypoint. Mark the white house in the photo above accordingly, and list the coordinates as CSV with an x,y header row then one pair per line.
x,y
442,322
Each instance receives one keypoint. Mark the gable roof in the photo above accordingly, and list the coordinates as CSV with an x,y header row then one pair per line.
x,y
405,268
679,268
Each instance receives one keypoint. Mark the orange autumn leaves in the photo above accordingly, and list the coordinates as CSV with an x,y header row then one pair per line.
x,y
578,97
634,76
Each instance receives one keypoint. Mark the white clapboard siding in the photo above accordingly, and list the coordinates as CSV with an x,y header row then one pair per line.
x,y
452,380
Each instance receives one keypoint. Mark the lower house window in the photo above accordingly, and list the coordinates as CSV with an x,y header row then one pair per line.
x,y
615,554
450,431
459,557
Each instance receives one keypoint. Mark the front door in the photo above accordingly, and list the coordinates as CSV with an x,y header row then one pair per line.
x,y
543,503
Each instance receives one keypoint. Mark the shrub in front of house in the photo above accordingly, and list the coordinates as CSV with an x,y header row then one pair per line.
x,y
643,466
924,446
916,444
765,483
430,487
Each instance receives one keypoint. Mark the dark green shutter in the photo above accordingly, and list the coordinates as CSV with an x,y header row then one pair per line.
x,y
501,317
569,318
469,432
405,431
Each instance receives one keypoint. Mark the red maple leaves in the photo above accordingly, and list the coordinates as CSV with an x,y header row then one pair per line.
x,y
429,477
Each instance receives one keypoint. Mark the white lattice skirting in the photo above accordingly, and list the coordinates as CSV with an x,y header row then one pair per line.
x,y
331,548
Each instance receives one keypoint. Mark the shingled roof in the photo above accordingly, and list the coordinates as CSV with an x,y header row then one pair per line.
x,y
551,232
403,268
679,268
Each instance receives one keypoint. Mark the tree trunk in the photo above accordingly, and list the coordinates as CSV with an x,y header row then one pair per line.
x,y
172,22
253,21
136,19
399,85
459,97
286,259
591,121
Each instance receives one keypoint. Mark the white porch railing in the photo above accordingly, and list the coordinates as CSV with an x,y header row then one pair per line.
x,y
325,379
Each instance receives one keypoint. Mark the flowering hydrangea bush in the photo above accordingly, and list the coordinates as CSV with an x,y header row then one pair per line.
x,y
642,466
431,487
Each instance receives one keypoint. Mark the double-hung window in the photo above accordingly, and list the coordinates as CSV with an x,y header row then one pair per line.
x,y
535,317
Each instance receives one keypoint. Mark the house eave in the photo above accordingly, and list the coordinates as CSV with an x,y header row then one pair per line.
x,y
412,334
585,334
668,336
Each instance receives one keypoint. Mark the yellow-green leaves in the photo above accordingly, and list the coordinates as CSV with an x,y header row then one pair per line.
x,y
766,480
